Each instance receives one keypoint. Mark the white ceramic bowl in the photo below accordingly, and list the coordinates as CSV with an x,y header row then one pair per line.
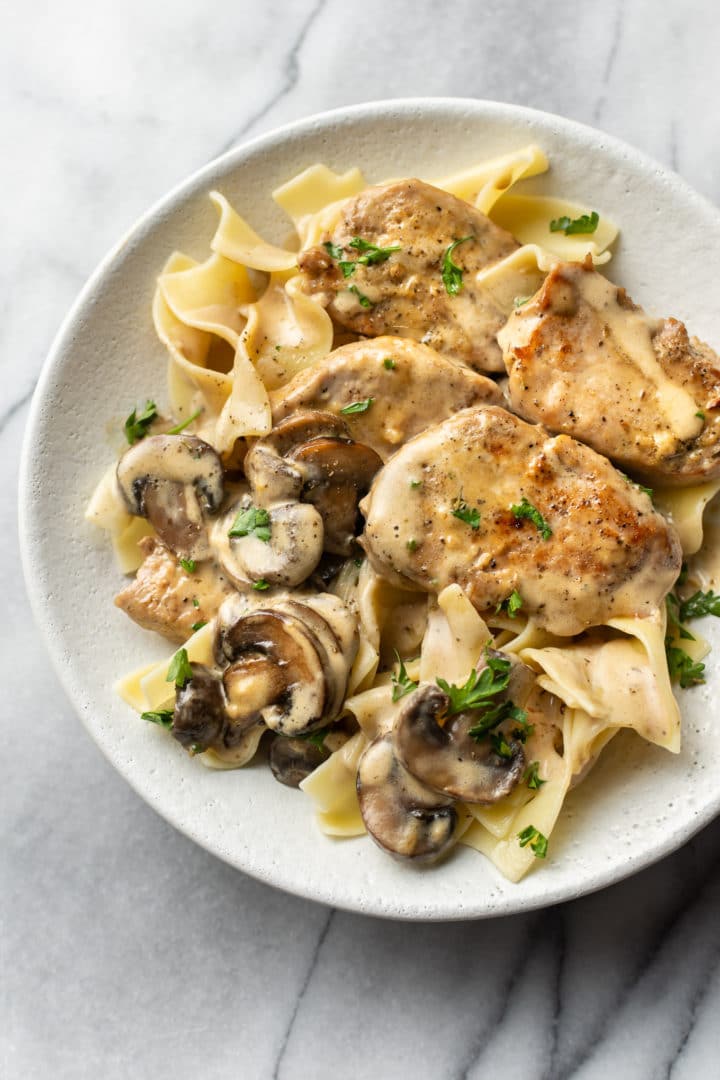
x,y
638,804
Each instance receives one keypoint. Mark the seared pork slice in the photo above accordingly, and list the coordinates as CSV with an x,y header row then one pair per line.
x,y
583,359
497,505
162,594
409,387
401,291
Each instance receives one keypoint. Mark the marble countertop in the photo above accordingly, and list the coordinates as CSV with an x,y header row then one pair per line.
x,y
125,949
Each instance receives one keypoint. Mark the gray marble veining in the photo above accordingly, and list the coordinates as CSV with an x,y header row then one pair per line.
x,y
126,950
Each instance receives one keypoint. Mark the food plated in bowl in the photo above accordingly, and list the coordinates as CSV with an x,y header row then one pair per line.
x,y
472,538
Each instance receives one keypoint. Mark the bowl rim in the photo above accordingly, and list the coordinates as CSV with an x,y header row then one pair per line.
x,y
145,223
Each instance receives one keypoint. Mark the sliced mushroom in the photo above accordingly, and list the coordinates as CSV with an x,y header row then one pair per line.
x,y
200,719
174,481
290,661
310,456
287,558
272,477
207,716
403,816
448,759
336,475
292,760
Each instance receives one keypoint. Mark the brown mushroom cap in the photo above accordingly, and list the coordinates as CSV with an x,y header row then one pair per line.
x,y
292,760
448,759
174,481
200,719
403,816
268,472
336,474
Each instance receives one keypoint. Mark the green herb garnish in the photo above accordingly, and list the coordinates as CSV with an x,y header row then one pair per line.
x,y
402,684
682,668
333,250
188,565
452,274
463,512
363,300
252,521
411,545
511,604
415,483
196,602
672,603
163,717
198,625
179,670
531,776
136,427
357,407
520,300
700,414
371,254
535,839
700,604
526,510
480,685
261,585
185,423
586,223
493,715
501,747
389,364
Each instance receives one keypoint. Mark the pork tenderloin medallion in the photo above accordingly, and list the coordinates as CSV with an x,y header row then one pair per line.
x,y
381,271
497,505
584,360
408,386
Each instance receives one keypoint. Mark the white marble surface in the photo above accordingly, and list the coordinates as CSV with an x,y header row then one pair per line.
x,y
125,950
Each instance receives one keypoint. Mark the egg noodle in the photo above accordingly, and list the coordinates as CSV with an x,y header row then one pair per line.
x,y
237,328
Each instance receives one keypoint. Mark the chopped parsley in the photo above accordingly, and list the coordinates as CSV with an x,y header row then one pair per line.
x,y
402,684
511,604
357,407
463,512
538,843
363,300
252,521
520,300
699,604
480,685
586,223
674,614
188,565
411,545
163,717
371,254
261,585
531,776
316,738
198,625
700,414
389,364
493,715
333,250
526,509
179,670
185,423
452,274
136,427
501,747
682,668
196,602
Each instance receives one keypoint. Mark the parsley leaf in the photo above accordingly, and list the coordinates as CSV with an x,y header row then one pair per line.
x,y
526,510
452,274
198,625
348,268
411,545
402,684
518,301
196,602
672,604
480,685
700,414
163,717
261,585
371,253
538,843
532,778
188,565
682,667
415,483
511,604
461,510
185,423
136,427
357,407
700,604
179,670
501,747
363,300
586,223
493,715
389,364
252,521
333,250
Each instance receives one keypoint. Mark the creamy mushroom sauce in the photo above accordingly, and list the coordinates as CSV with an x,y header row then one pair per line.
x,y
326,540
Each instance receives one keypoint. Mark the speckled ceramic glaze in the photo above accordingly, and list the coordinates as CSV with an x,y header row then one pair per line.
x,y
638,804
